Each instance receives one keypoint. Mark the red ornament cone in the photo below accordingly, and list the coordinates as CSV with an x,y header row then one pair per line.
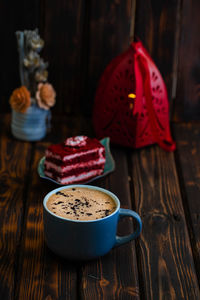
x,y
133,121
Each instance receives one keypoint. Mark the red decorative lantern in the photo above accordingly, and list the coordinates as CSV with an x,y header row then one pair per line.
x,y
131,104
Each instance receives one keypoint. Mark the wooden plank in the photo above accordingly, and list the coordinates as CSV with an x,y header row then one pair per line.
x,y
63,127
156,26
14,15
13,181
44,275
187,159
166,265
114,276
188,86
62,32
109,33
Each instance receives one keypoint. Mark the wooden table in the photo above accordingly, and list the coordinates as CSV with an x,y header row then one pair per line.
x,y
164,188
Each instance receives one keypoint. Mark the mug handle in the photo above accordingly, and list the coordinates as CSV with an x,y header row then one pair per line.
x,y
125,239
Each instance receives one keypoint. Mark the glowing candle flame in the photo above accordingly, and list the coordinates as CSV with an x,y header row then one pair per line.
x,y
132,96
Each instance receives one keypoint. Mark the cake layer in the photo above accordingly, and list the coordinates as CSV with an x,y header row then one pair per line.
x,y
64,152
76,171
74,167
75,178
75,158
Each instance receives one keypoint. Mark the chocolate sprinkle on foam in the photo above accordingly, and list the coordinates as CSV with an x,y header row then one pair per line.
x,y
89,205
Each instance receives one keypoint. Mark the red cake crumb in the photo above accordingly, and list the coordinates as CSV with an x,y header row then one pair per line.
x,y
77,159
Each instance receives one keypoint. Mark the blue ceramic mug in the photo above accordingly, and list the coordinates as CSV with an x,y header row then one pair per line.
x,y
84,240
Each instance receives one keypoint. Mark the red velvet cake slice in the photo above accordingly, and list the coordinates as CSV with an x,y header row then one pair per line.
x,y
78,159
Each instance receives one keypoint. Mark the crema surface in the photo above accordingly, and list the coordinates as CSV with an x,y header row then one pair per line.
x,y
81,204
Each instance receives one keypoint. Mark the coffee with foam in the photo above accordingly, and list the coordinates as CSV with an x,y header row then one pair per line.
x,y
80,203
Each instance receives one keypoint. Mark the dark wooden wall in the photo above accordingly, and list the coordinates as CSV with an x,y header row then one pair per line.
x,y
81,37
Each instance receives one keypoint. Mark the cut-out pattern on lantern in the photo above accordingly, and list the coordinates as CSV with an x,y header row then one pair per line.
x,y
131,103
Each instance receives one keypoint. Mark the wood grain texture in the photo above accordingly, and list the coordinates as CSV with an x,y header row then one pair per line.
x,y
187,104
63,31
63,127
14,167
166,262
109,30
114,276
163,263
14,15
187,159
43,275
82,37
156,26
